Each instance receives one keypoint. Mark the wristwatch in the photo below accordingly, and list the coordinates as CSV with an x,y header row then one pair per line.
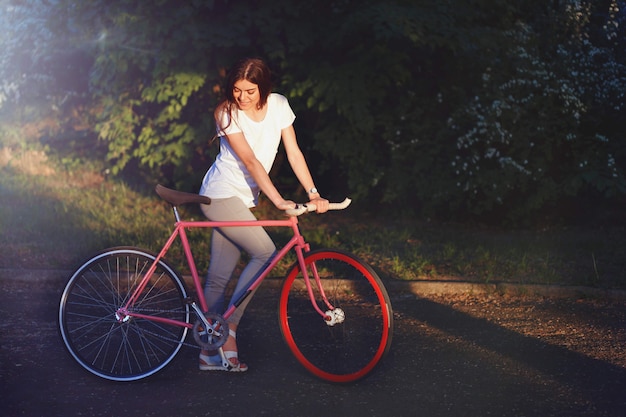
x,y
313,191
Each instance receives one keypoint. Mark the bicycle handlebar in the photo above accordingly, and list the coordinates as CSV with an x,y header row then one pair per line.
x,y
308,207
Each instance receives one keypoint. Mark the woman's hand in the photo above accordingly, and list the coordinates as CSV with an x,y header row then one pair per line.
x,y
285,205
321,204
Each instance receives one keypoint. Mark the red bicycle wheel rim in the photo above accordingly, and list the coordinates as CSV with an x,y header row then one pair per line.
x,y
383,345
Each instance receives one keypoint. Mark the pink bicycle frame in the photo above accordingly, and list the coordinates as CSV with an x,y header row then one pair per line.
x,y
297,242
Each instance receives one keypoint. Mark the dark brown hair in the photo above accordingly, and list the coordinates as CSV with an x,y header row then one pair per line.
x,y
250,69
253,70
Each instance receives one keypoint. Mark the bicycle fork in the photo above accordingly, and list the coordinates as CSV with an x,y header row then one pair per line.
x,y
332,316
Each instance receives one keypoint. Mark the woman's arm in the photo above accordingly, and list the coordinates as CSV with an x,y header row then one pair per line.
x,y
300,168
244,152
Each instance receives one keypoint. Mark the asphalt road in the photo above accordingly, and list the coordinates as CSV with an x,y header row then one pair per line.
x,y
443,363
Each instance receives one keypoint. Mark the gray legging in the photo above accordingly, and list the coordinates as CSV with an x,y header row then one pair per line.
x,y
226,246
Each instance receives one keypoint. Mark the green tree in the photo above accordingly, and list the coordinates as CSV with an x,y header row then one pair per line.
x,y
450,108
25,60
542,131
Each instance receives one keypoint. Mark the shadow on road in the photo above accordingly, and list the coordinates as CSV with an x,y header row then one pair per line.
x,y
577,383
443,363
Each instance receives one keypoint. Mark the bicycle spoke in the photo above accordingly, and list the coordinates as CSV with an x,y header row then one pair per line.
x,y
129,349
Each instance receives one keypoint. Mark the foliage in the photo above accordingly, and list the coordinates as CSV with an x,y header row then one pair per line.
x,y
375,85
24,42
542,129
450,108
54,218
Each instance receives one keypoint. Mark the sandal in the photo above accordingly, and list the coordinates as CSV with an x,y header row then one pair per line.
x,y
214,362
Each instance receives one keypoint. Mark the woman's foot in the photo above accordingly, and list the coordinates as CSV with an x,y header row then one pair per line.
x,y
212,361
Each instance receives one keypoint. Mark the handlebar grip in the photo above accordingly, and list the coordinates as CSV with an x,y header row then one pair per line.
x,y
308,207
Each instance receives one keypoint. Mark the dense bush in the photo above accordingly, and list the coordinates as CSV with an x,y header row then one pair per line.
x,y
453,109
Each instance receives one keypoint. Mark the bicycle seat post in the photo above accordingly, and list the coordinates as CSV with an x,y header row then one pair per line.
x,y
176,213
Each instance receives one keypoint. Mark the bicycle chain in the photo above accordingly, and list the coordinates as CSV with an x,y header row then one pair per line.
x,y
154,310
193,345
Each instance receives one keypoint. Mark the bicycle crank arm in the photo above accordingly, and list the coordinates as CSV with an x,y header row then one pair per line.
x,y
200,314
210,331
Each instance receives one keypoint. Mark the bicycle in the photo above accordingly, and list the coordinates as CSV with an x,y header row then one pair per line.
x,y
125,313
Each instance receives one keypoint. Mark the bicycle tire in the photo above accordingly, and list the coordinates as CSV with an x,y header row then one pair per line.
x,y
348,351
122,350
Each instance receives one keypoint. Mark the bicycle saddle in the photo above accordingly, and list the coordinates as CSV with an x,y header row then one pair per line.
x,y
176,198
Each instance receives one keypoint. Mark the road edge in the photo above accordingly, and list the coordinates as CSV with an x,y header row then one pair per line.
x,y
419,288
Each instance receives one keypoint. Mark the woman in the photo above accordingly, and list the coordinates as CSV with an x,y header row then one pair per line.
x,y
251,122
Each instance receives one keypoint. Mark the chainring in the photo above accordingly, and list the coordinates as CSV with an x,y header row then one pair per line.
x,y
213,337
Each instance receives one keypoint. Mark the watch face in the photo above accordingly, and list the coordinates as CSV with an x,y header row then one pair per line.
x,y
313,191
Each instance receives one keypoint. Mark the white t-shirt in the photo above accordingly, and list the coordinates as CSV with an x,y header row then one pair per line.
x,y
228,177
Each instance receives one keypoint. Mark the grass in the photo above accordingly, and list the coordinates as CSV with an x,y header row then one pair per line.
x,y
54,218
